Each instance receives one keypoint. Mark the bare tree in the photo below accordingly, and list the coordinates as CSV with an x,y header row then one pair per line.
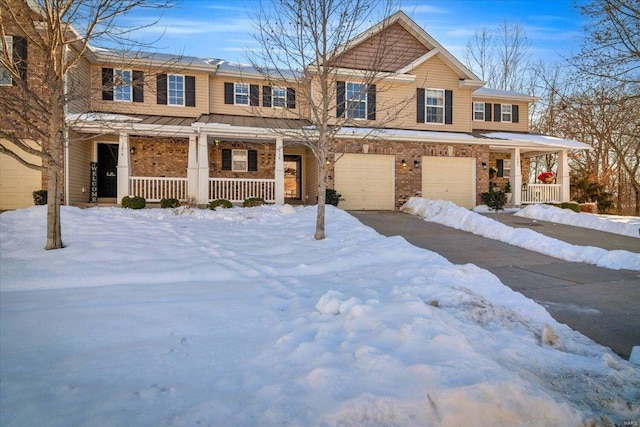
x,y
501,57
48,39
306,44
611,49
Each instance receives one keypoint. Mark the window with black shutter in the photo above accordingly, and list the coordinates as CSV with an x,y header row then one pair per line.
x,y
448,107
107,84
254,95
190,91
497,112
138,86
266,96
253,160
291,98
515,111
420,97
226,159
340,93
20,56
228,93
371,102
487,112
161,89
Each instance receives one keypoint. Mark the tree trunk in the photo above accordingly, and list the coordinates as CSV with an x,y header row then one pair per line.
x,y
54,230
322,191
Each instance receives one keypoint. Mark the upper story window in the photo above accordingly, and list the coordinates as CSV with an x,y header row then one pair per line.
x,y
175,89
478,111
356,100
241,94
278,97
122,87
435,106
5,75
506,113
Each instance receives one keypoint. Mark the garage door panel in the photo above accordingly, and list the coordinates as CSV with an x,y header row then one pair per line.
x,y
449,178
17,182
366,181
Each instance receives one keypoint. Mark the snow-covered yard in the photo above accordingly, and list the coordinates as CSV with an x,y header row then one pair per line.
x,y
239,318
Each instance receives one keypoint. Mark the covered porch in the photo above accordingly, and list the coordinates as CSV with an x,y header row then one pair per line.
x,y
517,151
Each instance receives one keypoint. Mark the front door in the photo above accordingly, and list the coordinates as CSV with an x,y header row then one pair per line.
x,y
107,170
293,177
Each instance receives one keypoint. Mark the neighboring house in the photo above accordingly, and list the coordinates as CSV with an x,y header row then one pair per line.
x,y
190,127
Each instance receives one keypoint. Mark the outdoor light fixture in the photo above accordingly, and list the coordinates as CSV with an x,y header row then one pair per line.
x,y
484,166
132,150
416,164
404,164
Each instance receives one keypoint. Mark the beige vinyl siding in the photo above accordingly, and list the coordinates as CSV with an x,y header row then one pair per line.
x,y
523,117
216,99
150,104
396,105
80,157
79,87
311,178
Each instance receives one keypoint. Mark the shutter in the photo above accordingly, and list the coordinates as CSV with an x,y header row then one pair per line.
x,y
226,159
161,89
371,102
497,112
228,93
487,112
340,93
420,94
189,91
107,84
254,95
500,166
138,86
20,57
291,98
266,96
448,107
515,111
252,157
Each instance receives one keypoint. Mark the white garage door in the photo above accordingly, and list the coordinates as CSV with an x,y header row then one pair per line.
x,y
449,178
17,182
366,181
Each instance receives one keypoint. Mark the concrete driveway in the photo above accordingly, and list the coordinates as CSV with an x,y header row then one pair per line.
x,y
602,304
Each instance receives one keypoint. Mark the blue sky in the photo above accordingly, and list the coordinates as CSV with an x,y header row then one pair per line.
x,y
221,28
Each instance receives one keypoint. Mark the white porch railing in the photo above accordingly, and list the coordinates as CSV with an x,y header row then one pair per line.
x,y
540,193
154,189
238,189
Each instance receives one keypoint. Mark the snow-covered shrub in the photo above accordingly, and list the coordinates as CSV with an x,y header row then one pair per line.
x,y
133,202
169,203
332,197
223,203
253,201
40,197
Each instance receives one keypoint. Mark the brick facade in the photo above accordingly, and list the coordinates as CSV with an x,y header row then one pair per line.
x,y
266,160
166,157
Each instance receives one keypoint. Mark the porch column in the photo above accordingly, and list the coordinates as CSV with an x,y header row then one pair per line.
x,y
279,172
563,175
123,168
203,170
192,167
515,177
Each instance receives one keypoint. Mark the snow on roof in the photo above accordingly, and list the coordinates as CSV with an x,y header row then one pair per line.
x,y
405,134
102,117
548,141
498,93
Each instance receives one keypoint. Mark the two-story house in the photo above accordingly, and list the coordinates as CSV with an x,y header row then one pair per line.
x,y
157,126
